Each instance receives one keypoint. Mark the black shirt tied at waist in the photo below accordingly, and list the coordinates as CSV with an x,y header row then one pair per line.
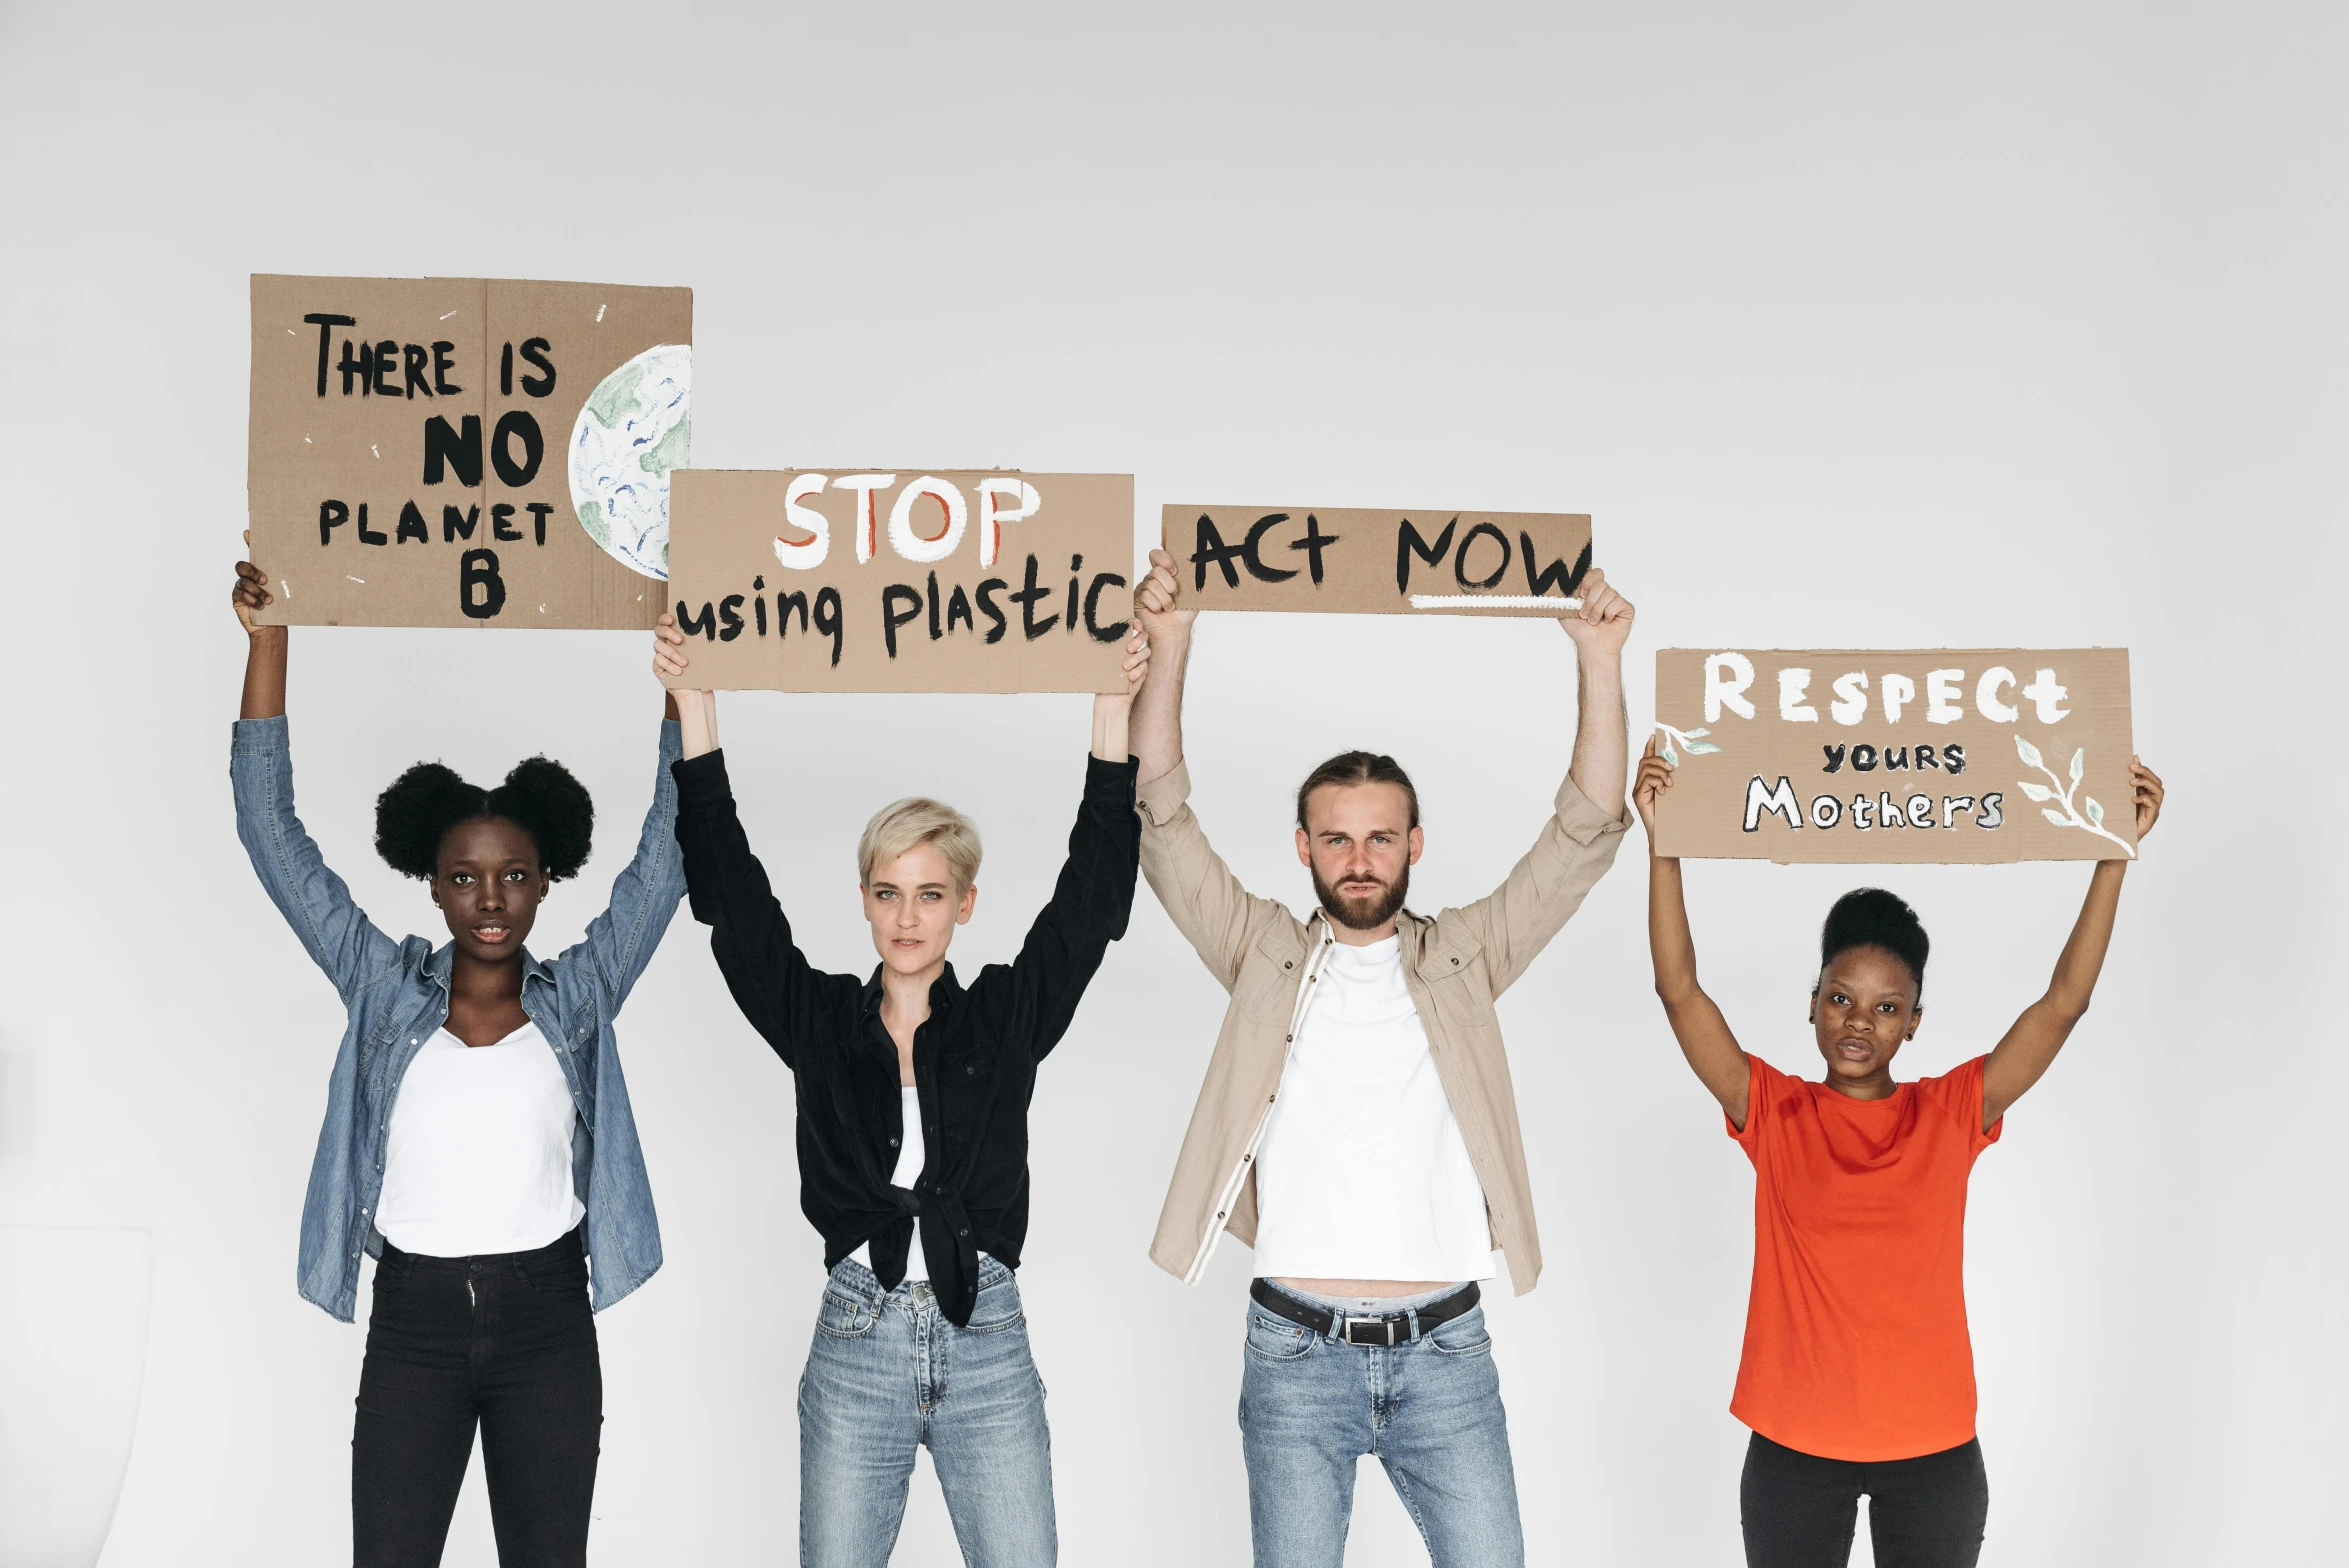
x,y
974,1059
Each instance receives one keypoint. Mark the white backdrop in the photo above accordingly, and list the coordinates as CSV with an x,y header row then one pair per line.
x,y
1988,326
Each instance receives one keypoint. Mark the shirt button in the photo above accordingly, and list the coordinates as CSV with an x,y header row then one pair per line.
x,y
970,1071
893,1143
1288,963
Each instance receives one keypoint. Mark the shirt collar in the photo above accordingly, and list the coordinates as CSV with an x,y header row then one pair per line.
x,y
943,992
444,958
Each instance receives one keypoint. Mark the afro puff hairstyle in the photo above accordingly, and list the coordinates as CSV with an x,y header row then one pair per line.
x,y
1871,917
540,797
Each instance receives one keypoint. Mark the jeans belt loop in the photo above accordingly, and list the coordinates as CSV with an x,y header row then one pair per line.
x,y
1413,1314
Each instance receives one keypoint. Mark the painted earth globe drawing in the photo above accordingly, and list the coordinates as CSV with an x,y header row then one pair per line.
x,y
636,427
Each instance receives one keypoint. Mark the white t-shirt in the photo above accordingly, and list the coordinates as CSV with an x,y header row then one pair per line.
x,y
1361,1172
911,1151
478,1154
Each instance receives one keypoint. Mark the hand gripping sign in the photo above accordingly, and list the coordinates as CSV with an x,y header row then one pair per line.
x,y
845,579
465,452
1876,756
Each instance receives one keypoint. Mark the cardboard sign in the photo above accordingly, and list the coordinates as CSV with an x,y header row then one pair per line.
x,y
854,580
462,452
1376,562
1876,757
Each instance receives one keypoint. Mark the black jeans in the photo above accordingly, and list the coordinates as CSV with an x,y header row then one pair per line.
x,y
506,1342
1800,1510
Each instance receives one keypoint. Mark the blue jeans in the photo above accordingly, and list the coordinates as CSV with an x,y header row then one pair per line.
x,y
1429,1408
888,1374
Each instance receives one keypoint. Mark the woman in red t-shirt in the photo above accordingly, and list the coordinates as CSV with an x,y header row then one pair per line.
x,y
1857,1376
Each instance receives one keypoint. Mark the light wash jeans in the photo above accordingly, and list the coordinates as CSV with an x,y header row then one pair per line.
x,y
1429,1408
889,1374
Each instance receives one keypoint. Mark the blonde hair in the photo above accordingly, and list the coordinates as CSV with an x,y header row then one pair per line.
x,y
903,824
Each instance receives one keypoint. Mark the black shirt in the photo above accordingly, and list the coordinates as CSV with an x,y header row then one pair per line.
x,y
974,1058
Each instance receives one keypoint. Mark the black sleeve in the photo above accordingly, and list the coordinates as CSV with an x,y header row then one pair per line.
x,y
773,984
1088,911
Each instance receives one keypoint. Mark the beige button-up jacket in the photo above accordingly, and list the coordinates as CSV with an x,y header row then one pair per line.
x,y
1454,967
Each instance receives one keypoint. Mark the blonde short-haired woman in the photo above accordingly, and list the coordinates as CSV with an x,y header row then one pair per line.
x,y
913,1097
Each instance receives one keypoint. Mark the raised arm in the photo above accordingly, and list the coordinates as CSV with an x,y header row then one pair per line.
x,y
1704,1036
772,981
621,941
2029,1047
1601,752
332,928
1514,922
1218,916
1094,895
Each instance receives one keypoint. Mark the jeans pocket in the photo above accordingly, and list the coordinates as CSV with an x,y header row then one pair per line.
x,y
997,1310
392,1276
556,1280
1465,1335
844,1317
1277,1339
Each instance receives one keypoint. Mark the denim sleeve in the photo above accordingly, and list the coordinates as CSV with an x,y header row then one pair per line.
x,y
333,930
620,941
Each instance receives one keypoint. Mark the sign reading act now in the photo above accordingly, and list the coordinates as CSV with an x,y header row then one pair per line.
x,y
847,580
1886,756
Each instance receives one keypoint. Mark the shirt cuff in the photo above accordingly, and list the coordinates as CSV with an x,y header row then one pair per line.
x,y
1161,798
257,737
701,781
1585,823
1111,781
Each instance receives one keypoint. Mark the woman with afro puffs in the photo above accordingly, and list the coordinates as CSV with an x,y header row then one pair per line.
x,y
478,1141
1858,1373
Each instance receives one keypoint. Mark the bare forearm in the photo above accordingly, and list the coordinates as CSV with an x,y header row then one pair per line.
x,y
1602,751
697,720
2030,1046
1671,946
2082,961
265,653
1157,718
1110,727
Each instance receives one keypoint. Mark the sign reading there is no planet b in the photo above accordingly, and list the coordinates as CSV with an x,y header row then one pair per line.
x,y
466,451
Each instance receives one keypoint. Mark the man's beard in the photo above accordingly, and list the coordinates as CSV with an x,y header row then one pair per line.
x,y
1367,913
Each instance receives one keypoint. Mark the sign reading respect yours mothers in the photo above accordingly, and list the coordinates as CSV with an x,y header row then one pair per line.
x,y
1878,756
1368,562
900,580
465,451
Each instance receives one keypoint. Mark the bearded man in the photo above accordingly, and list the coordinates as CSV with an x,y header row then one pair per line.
x,y
1357,1125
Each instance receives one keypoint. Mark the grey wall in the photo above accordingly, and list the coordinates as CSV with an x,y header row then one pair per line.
x,y
2005,326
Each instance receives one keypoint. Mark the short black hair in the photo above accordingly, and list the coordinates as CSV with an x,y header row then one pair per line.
x,y
540,797
1871,917
1358,767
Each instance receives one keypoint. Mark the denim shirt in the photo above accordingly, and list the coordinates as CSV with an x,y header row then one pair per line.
x,y
398,994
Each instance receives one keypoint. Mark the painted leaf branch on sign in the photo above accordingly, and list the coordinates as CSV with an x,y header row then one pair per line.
x,y
2069,817
1689,741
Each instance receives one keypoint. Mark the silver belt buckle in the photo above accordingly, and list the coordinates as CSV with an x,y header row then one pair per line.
x,y
1386,1327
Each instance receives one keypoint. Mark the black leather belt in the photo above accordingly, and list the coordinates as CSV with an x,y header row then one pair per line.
x,y
1387,1329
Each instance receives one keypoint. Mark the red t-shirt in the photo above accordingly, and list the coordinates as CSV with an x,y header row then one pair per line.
x,y
1855,1335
